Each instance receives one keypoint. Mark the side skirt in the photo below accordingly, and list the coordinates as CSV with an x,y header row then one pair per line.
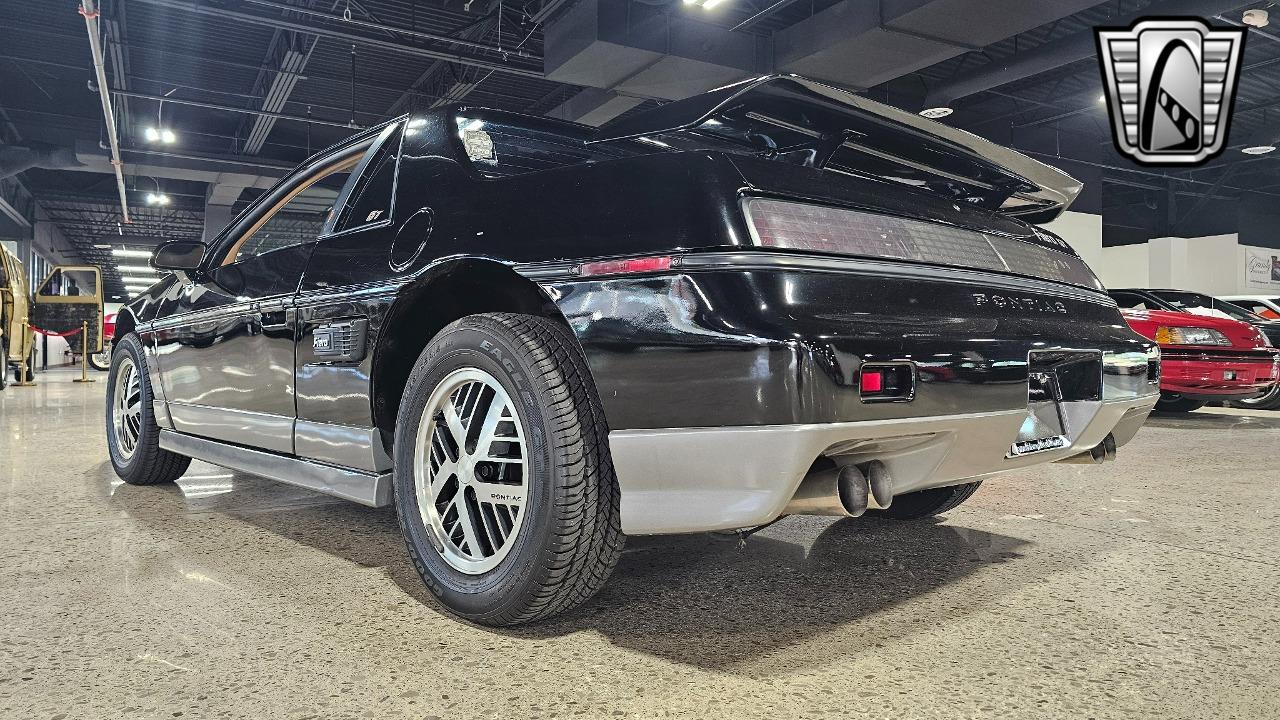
x,y
369,489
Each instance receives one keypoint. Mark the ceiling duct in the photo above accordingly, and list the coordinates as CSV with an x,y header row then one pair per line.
x,y
647,51
1063,51
658,50
18,158
858,44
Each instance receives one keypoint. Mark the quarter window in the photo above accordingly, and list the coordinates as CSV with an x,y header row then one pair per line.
x,y
371,201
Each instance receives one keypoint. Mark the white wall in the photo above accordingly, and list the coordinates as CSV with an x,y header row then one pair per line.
x,y
1214,265
1083,232
1125,266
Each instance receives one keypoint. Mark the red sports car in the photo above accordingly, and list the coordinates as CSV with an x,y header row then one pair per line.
x,y
1204,358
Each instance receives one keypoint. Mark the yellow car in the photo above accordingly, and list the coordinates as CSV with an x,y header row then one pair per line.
x,y
15,344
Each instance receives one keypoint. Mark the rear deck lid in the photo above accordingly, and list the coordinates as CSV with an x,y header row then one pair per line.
x,y
792,119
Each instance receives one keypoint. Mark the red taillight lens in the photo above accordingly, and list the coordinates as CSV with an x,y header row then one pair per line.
x,y
628,266
872,381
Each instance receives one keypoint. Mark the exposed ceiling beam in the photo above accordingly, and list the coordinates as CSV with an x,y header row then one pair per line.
x,y
359,38
286,58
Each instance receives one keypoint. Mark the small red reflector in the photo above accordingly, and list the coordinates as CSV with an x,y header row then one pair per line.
x,y
872,381
625,267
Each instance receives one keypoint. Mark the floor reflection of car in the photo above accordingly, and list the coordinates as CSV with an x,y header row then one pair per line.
x,y
1194,303
1206,359
532,336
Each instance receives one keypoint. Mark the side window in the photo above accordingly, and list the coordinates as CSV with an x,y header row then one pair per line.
x,y
300,219
69,283
371,200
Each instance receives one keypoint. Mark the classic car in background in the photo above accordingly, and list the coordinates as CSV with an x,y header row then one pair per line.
x,y
1194,303
17,341
1206,359
533,336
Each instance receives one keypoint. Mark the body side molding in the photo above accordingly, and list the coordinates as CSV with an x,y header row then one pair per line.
x,y
369,489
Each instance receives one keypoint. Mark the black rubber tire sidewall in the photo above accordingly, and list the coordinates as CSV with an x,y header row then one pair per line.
x,y
485,595
1177,404
927,503
149,465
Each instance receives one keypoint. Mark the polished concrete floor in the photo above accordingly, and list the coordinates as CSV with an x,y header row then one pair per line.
x,y
1147,588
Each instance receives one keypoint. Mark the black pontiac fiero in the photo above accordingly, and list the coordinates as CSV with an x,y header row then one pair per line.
x,y
532,337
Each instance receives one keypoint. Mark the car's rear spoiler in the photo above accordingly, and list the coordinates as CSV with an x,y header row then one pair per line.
x,y
877,139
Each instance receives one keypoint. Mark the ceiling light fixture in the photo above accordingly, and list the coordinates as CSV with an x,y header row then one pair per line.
x,y
157,199
706,4
1258,149
145,281
125,252
936,113
135,268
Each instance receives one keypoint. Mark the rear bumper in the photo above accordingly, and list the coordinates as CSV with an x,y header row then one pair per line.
x,y
722,384
680,480
1218,374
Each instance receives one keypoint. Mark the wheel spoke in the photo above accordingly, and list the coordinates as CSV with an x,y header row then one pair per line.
x,y
468,525
453,425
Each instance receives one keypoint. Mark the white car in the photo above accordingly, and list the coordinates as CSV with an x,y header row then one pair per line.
x,y
1266,306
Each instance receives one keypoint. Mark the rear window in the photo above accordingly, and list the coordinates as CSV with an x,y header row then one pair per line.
x,y
500,148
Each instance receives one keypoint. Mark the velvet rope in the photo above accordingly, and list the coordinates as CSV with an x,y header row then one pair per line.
x,y
55,334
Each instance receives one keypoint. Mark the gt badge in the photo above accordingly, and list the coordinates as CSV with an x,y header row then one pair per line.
x,y
1170,85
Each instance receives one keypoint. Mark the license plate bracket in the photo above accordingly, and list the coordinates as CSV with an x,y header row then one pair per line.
x,y
1054,379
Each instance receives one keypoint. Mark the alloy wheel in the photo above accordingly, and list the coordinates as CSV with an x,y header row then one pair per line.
x,y
126,408
470,471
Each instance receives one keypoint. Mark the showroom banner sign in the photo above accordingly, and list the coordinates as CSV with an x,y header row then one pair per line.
x,y
1170,86
1262,268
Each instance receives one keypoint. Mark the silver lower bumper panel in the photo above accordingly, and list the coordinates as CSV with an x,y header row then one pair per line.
x,y
677,480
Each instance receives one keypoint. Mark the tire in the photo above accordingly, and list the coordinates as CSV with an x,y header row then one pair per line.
x,y
1169,402
563,532
927,503
101,361
134,441
1270,401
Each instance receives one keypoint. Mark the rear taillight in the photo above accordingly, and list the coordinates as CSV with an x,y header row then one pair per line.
x,y
817,228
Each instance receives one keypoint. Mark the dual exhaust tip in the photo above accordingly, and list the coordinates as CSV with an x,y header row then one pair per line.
x,y
851,490
847,491
1104,451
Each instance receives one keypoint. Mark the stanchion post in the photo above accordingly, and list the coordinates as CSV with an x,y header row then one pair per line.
x,y
23,371
84,354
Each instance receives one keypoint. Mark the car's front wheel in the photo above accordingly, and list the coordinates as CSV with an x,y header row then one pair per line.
x,y
101,361
133,437
1269,401
503,483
